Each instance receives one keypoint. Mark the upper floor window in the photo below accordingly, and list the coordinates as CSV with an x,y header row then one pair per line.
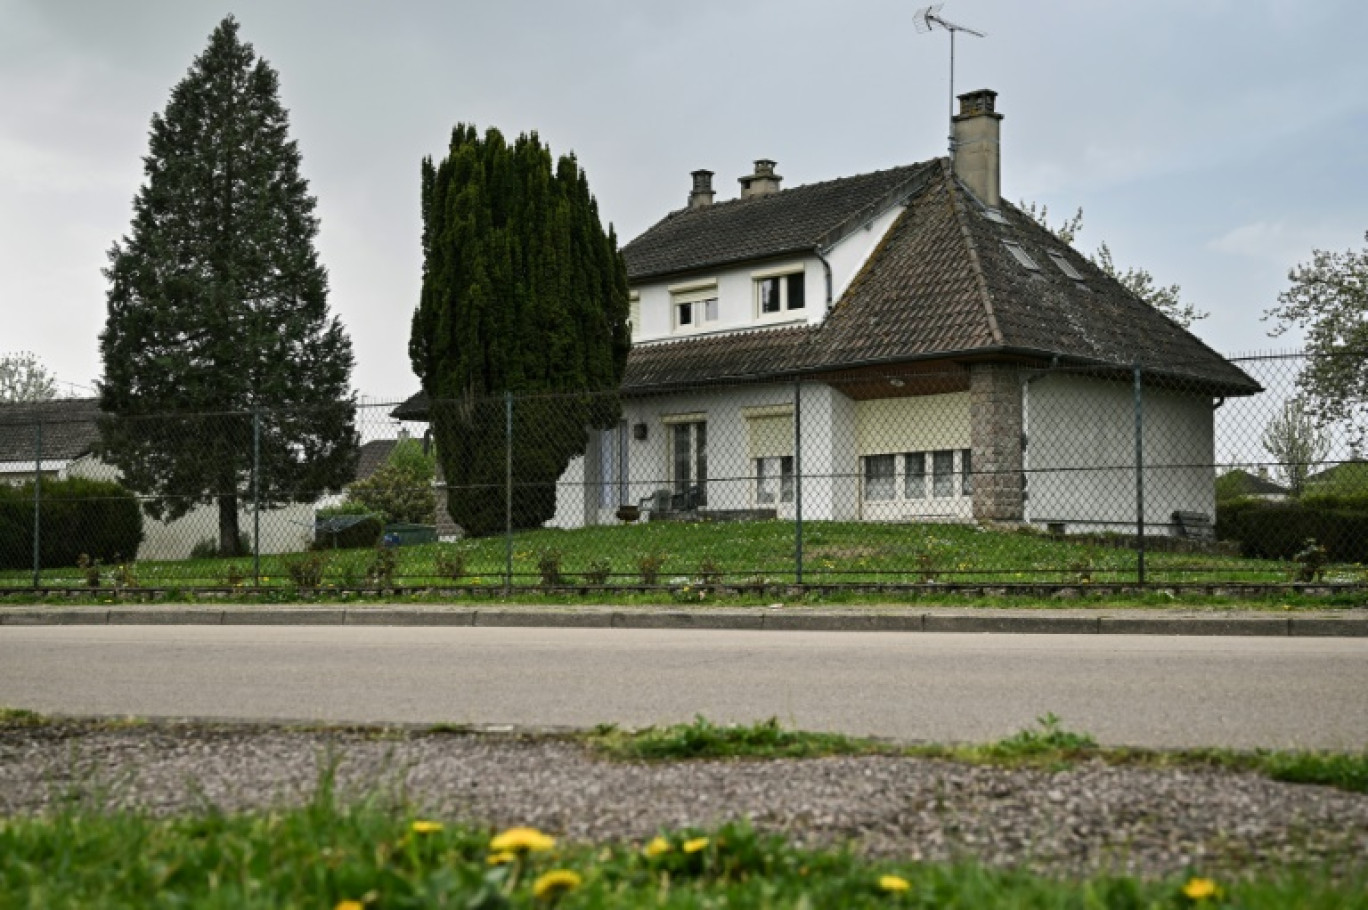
x,y
779,294
693,306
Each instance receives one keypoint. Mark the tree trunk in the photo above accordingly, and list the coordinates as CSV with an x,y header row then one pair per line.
x,y
228,525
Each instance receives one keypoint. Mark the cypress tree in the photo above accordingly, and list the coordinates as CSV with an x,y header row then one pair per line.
x,y
217,309
523,292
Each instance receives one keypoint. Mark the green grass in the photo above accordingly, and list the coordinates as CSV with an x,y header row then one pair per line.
x,y
326,853
748,553
1047,745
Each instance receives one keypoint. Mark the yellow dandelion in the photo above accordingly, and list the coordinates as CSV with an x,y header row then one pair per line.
x,y
1200,889
350,905
522,840
425,827
693,846
893,883
500,858
553,884
656,847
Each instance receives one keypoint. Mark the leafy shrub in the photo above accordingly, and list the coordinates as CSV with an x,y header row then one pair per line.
x,y
96,517
451,564
598,572
380,572
307,571
1279,530
400,490
549,566
709,572
649,566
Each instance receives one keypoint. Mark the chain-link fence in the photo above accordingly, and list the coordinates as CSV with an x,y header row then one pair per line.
x,y
989,474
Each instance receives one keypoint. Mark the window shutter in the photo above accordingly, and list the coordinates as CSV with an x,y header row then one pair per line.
x,y
770,437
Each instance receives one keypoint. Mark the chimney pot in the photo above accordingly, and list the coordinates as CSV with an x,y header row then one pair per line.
x,y
702,194
764,182
977,152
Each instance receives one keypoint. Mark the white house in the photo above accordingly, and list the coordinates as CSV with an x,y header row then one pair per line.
x,y
912,344
66,448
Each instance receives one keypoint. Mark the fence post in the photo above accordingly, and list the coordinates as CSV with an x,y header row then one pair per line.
x,y
37,501
797,480
256,497
1139,478
508,492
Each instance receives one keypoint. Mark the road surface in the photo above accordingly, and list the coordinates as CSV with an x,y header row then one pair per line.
x,y
1126,690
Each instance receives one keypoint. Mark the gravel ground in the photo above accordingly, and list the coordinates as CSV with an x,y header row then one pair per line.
x,y
1085,818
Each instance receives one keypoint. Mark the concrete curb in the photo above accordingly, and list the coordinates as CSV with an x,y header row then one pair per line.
x,y
757,619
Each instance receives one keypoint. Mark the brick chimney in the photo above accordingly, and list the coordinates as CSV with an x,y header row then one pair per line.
x,y
764,182
702,195
978,159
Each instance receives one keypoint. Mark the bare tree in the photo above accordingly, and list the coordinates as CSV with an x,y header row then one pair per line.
x,y
1167,299
1296,442
24,378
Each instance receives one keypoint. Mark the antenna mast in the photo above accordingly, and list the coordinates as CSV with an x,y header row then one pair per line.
x,y
928,19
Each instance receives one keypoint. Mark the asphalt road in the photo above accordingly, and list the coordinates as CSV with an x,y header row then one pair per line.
x,y
1126,690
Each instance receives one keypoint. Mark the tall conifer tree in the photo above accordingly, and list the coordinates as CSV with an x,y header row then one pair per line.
x,y
523,292
217,309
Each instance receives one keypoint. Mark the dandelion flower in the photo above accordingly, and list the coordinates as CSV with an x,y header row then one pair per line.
x,y
350,905
500,858
553,884
893,883
425,827
656,847
522,840
693,846
1200,889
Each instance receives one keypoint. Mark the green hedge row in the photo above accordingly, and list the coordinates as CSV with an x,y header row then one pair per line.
x,y
98,518
1279,530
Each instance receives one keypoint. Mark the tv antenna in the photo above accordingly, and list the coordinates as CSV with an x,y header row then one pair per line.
x,y
928,19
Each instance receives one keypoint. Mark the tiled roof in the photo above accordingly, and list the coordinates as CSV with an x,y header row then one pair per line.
x,y
789,221
718,358
69,429
372,455
943,282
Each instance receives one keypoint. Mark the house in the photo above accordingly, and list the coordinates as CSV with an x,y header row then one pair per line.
x,y
915,345
1237,483
68,430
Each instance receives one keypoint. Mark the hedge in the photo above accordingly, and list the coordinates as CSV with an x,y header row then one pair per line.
x,y
1279,530
97,518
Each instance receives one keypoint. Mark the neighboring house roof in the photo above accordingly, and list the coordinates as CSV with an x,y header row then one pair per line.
x,y
941,283
1240,482
69,429
372,455
796,220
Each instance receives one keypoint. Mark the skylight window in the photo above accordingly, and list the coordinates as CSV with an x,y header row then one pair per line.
x,y
1021,256
1065,266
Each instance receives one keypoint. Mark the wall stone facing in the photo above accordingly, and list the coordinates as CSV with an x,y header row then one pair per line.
x,y
995,438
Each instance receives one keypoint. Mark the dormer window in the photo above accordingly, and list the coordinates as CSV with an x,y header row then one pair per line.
x,y
694,306
779,292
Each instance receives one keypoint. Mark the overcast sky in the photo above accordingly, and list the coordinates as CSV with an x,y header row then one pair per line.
x,y
1214,142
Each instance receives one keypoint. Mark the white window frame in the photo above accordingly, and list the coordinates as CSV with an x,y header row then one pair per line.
x,y
955,477
773,480
704,306
786,311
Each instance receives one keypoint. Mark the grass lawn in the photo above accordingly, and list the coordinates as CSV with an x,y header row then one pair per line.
x,y
676,554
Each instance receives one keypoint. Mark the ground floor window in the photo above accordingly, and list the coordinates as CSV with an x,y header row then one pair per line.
x,y
918,475
774,477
